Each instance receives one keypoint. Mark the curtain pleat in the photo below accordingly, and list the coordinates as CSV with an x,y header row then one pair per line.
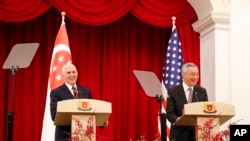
x,y
160,13
22,10
156,13
94,12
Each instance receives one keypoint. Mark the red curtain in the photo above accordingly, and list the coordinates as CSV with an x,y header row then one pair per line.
x,y
22,10
157,13
105,56
94,12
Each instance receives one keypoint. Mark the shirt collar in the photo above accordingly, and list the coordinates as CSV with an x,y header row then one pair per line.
x,y
70,86
185,86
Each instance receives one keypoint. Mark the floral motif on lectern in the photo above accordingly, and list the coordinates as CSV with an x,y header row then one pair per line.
x,y
84,132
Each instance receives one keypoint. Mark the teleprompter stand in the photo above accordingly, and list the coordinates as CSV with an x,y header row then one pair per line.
x,y
19,57
163,117
152,87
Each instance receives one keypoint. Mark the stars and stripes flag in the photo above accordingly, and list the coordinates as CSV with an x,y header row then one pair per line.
x,y
171,71
60,56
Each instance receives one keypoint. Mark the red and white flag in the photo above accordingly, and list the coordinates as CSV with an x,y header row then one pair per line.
x,y
60,56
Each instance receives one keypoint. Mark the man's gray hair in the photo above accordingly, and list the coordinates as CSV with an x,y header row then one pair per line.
x,y
65,66
185,67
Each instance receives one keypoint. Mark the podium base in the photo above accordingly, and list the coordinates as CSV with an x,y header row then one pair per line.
x,y
83,127
210,126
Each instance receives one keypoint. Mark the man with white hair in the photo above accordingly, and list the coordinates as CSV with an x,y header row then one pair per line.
x,y
68,90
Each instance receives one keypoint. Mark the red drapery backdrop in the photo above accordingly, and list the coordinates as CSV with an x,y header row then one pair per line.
x,y
108,40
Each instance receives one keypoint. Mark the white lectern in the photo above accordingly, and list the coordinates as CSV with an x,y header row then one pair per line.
x,y
83,115
198,112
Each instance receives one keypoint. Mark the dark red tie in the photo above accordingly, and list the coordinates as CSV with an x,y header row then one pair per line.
x,y
75,92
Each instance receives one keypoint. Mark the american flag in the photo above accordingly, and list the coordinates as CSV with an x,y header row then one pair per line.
x,y
171,70
60,56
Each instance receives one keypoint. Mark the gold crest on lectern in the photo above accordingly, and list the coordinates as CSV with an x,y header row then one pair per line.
x,y
209,108
84,105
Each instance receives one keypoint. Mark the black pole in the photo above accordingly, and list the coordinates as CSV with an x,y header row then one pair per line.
x,y
10,125
11,112
163,119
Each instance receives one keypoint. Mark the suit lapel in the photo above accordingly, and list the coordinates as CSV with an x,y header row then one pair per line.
x,y
196,96
182,94
67,91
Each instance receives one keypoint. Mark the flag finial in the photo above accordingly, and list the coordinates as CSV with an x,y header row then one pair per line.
x,y
63,15
173,20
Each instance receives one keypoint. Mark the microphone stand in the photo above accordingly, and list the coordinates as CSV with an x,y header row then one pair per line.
x,y
11,112
163,117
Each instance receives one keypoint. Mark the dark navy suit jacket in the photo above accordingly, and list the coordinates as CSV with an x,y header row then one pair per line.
x,y
175,105
63,93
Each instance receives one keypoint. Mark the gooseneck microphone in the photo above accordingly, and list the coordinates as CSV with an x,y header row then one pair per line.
x,y
196,96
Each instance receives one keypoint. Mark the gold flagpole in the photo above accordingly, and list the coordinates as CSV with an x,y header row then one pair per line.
x,y
63,15
173,20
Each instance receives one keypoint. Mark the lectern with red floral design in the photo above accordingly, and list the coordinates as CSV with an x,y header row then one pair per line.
x,y
195,114
83,115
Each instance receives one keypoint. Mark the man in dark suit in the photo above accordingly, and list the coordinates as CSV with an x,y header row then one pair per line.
x,y
64,92
178,96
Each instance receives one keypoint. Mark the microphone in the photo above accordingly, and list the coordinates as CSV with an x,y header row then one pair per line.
x,y
196,96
